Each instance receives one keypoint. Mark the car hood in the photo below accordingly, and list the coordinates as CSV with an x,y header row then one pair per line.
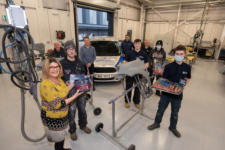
x,y
106,61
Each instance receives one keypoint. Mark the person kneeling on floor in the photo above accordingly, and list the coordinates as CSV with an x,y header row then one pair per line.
x,y
130,56
71,64
175,72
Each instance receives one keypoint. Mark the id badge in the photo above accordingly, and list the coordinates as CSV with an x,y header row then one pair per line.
x,y
183,81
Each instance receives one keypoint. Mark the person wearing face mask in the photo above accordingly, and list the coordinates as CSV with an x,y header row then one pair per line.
x,y
176,72
71,64
156,54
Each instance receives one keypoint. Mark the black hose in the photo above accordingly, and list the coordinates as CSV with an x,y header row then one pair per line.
x,y
26,47
24,77
23,119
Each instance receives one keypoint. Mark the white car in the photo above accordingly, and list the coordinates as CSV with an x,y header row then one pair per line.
x,y
107,55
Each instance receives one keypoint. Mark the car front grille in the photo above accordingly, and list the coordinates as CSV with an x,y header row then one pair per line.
x,y
105,70
104,78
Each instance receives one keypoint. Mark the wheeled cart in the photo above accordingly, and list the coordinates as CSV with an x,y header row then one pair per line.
x,y
138,70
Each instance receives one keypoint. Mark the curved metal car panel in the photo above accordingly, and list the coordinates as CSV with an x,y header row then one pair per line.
x,y
134,67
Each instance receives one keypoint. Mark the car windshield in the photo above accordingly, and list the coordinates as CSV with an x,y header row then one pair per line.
x,y
106,48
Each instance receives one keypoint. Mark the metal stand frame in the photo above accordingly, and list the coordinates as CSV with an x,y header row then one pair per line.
x,y
97,110
141,84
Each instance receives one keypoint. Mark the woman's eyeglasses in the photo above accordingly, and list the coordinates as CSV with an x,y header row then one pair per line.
x,y
52,67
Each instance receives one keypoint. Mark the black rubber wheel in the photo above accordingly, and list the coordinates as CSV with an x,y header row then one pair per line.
x,y
97,111
132,147
98,127
88,97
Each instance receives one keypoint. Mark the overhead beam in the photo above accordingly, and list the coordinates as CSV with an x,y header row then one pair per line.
x,y
175,33
193,16
169,21
190,3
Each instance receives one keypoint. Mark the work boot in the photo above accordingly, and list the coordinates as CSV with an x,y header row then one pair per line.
x,y
153,126
175,132
86,130
138,106
158,93
73,136
127,105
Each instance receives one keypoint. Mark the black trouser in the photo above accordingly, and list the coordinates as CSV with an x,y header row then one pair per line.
x,y
175,107
59,145
129,83
91,71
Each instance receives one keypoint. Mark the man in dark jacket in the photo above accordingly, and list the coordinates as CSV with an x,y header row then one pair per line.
x,y
58,51
156,54
146,47
71,64
126,45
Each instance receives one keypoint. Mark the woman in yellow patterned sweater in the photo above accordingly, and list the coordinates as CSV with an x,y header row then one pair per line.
x,y
53,93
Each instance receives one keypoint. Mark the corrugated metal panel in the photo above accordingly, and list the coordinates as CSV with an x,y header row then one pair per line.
x,y
129,13
33,24
211,31
44,28
102,5
26,3
56,4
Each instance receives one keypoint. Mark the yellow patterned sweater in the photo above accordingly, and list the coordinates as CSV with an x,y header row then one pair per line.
x,y
54,109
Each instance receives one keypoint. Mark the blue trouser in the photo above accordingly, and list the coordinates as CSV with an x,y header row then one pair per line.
x,y
136,97
80,104
175,106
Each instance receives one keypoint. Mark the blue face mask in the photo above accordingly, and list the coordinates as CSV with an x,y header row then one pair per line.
x,y
158,47
179,58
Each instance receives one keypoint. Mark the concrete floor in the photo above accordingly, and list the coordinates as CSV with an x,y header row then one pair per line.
x,y
201,118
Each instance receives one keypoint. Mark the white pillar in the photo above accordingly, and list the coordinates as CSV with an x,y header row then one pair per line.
x,y
72,25
222,40
175,33
142,21
116,22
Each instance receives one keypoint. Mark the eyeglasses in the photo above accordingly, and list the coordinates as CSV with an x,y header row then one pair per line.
x,y
52,67
71,49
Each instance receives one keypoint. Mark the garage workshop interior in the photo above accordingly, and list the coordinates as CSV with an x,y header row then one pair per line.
x,y
112,74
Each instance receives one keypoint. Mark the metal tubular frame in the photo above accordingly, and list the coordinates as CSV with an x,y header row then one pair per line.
x,y
139,83
91,101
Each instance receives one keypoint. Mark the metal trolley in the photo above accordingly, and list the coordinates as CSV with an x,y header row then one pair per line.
x,y
97,110
141,83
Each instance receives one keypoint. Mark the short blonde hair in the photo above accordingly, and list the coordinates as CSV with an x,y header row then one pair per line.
x,y
45,68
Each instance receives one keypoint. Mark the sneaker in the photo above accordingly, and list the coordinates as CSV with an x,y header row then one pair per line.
x,y
93,88
86,130
127,105
153,126
138,106
175,132
73,136
158,93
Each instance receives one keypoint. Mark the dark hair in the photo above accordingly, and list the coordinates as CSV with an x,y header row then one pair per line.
x,y
127,35
86,37
180,48
159,42
137,40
